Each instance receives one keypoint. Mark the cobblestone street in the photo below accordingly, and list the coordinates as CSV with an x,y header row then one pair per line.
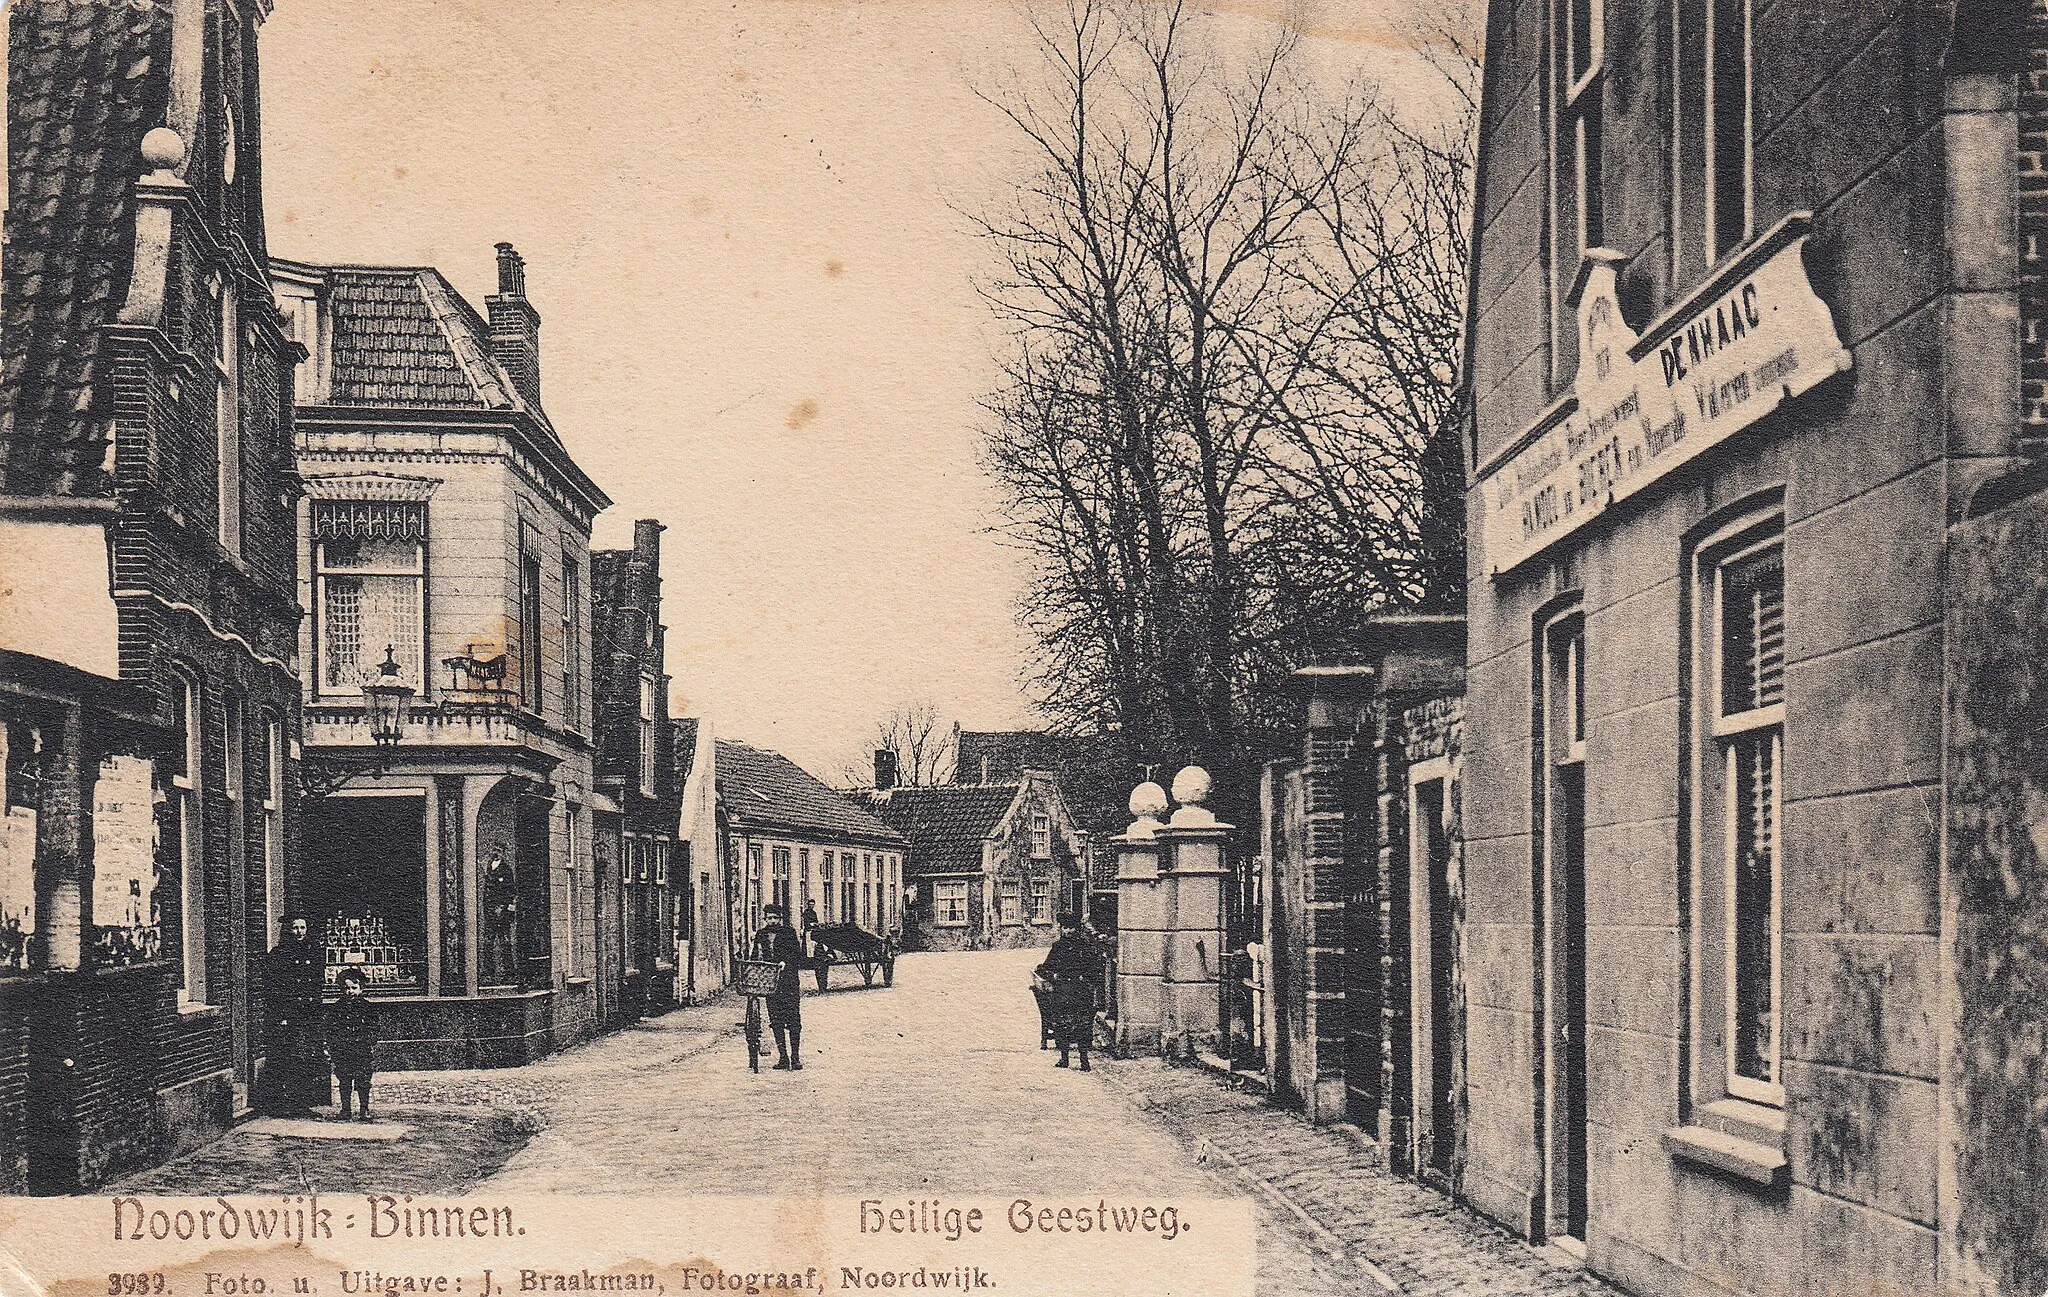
x,y
934,1086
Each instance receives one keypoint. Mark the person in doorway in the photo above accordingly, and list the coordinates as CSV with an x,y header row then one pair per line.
x,y
294,1076
777,943
1071,973
352,1040
810,916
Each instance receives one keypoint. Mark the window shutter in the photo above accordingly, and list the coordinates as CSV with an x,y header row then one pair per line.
x,y
1753,632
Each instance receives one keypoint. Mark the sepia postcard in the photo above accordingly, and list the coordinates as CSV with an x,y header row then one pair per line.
x,y
1192,647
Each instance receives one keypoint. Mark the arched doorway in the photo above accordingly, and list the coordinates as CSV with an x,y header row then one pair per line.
x,y
515,946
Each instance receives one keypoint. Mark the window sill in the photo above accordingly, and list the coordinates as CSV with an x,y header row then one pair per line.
x,y
575,981
1719,1146
189,1009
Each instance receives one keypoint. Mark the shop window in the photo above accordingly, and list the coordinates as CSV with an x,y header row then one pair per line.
x,y
20,798
1742,595
949,905
369,590
1041,900
1041,836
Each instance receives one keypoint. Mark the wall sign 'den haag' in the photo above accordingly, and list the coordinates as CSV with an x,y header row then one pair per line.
x,y
1753,337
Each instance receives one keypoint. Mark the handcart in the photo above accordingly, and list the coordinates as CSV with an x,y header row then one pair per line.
x,y
756,979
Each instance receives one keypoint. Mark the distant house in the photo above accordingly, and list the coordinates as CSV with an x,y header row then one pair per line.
x,y
791,841
1094,773
991,865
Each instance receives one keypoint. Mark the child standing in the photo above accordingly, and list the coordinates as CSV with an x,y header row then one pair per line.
x,y
351,1040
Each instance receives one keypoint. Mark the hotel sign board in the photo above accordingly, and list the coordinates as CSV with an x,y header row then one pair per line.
x,y
1752,338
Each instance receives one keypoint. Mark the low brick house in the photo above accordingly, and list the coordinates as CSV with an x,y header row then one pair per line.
x,y
990,865
794,842
148,680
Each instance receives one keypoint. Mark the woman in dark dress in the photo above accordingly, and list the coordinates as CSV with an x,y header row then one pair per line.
x,y
295,1069
1072,971
352,1040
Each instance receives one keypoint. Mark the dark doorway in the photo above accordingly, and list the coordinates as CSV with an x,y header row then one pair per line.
x,y
1571,922
1435,840
366,888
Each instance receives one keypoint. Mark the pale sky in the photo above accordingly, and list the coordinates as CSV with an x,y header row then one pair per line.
x,y
740,227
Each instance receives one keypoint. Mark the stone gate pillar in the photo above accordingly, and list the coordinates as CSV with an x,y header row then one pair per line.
x,y
1193,863
1141,927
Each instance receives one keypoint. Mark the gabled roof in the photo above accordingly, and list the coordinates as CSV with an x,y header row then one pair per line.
x,y
685,748
944,822
85,83
763,789
402,336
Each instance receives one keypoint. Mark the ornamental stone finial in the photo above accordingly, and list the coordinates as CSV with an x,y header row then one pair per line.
x,y
1191,789
163,149
1148,803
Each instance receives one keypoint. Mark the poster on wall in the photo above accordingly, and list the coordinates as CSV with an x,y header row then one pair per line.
x,y
124,900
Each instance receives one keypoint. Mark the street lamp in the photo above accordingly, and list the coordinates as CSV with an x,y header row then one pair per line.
x,y
387,700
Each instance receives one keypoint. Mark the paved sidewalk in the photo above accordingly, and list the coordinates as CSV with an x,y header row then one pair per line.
x,y
1407,1238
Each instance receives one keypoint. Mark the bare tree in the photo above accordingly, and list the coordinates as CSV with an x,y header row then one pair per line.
x,y
1234,304
919,738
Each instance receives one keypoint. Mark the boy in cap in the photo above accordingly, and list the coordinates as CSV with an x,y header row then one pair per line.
x,y
777,943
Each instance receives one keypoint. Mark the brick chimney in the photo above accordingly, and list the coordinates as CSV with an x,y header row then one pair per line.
x,y
885,770
515,325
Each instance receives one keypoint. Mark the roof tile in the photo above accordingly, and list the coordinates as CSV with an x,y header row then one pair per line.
x,y
768,789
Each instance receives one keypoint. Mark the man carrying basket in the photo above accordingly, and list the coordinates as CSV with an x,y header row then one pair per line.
x,y
778,943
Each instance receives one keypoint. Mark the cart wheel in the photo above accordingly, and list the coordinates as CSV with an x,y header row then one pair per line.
x,y
753,1033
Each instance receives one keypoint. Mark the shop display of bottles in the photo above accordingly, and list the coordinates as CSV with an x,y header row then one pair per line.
x,y
363,942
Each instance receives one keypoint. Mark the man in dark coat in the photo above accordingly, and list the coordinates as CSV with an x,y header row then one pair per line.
x,y
295,1071
778,943
352,1040
1072,971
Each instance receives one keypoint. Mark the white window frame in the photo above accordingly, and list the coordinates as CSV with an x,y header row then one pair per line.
x,y
646,724
1742,540
1041,901
661,853
188,789
273,829
947,894
1041,836
323,572
1009,905
849,900
227,417
572,638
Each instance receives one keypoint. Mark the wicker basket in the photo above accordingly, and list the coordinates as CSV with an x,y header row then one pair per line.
x,y
756,977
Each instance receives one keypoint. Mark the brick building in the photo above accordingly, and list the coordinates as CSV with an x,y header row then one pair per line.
x,y
1754,909
148,689
1362,918
989,865
447,525
644,900
793,842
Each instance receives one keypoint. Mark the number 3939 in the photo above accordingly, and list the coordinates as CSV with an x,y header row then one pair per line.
x,y
145,1284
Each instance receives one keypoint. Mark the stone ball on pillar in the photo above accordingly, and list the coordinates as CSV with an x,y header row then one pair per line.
x,y
163,149
1191,788
1148,803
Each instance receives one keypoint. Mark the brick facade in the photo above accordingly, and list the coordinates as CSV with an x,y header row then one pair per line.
x,y
143,349
636,767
